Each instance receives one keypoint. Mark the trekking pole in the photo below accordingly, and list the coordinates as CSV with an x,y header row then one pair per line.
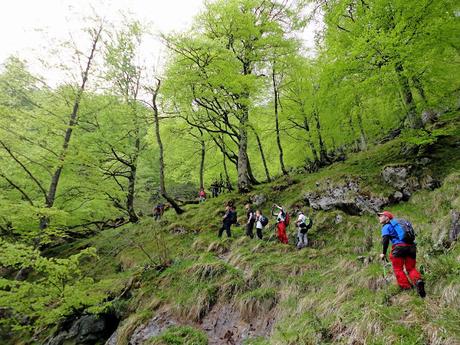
x,y
385,263
272,232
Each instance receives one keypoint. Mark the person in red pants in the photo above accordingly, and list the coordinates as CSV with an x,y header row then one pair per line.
x,y
281,223
402,255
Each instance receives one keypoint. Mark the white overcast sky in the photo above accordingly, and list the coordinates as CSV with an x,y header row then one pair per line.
x,y
27,26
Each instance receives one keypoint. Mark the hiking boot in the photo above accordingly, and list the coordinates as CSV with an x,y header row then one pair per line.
x,y
420,286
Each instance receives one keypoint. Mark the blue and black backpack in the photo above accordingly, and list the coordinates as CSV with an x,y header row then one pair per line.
x,y
404,229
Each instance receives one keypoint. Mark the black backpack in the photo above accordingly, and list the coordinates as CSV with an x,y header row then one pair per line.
x,y
263,220
304,227
233,217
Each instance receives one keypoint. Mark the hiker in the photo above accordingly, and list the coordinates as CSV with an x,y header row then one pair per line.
x,y
202,195
251,216
228,219
261,222
229,186
303,223
158,211
234,216
403,251
220,186
282,220
215,189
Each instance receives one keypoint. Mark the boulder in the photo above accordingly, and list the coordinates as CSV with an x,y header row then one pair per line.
x,y
406,179
429,116
258,199
396,197
428,182
396,176
154,327
446,230
424,161
87,329
347,198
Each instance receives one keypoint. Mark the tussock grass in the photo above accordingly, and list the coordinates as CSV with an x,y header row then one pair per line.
x,y
450,296
203,302
257,302
127,327
219,247
204,271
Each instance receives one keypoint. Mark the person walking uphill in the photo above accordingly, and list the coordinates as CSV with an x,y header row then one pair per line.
x,y
228,219
261,222
251,220
303,223
403,251
158,211
282,220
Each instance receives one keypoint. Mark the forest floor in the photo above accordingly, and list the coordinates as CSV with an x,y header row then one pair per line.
x,y
189,287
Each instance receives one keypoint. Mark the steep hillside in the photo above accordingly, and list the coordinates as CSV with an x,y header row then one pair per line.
x,y
174,282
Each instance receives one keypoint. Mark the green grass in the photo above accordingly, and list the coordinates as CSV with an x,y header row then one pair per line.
x,y
180,335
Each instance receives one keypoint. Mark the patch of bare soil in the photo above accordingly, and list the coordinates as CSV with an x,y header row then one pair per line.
x,y
225,325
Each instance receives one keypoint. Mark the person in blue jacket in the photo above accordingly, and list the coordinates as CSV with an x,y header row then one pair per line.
x,y
402,255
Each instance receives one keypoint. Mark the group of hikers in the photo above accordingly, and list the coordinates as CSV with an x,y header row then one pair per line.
x,y
397,231
255,218
217,188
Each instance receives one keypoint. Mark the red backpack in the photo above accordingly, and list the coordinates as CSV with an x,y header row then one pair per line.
x,y
287,219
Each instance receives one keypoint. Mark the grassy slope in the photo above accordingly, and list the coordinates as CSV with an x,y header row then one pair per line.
x,y
324,293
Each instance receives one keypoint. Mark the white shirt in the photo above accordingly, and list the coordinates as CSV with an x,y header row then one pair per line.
x,y
301,219
280,217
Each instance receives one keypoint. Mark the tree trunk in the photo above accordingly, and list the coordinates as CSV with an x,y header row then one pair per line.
x,y
227,177
363,139
251,176
278,139
322,146
72,122
133,218
421,91
413,119
203,155
306,126
243,177
163,192
355,141
225,155
262,155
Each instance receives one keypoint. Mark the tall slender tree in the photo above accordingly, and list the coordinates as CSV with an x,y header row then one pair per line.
x,y
154,93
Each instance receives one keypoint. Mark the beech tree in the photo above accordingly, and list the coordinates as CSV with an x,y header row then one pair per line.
x,y
154,91
217,66
122,149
